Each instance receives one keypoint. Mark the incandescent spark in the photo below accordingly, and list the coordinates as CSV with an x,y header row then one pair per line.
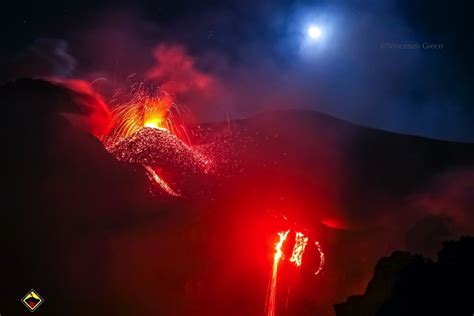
x,y
145,106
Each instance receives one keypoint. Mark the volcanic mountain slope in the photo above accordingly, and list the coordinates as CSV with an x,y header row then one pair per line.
x,y
106,240
351,169
181,165
157,147
378,186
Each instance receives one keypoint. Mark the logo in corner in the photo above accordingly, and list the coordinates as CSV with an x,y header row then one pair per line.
x,y
32,300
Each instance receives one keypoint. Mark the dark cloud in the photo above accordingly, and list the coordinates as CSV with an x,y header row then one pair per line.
x,y
450,194
46,57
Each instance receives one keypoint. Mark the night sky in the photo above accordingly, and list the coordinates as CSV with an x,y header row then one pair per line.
x,y
259,53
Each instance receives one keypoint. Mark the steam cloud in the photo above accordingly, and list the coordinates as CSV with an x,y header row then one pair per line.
x,y
176,73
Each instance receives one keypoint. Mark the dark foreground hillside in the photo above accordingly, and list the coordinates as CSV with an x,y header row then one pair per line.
x,y
406,284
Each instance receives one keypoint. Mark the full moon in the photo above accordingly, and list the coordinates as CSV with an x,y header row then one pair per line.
x,y
314,32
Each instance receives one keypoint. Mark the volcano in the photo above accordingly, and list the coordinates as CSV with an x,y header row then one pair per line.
x,y
105,238
159,148
165,156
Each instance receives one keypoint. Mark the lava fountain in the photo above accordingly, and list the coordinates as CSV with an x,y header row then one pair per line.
x,y
145,105
147,128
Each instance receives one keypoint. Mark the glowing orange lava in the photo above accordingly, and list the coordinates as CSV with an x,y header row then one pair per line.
x,y
299,247
158,180
321,258
271,302
145,106
298,250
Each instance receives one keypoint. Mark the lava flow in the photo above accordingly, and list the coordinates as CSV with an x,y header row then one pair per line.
x,y
321,258
301,242
298,250
271,302
155,177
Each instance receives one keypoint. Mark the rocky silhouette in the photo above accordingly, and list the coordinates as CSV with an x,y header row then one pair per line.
x,y
406,284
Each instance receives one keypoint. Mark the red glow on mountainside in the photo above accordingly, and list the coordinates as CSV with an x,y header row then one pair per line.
x,y
97,113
